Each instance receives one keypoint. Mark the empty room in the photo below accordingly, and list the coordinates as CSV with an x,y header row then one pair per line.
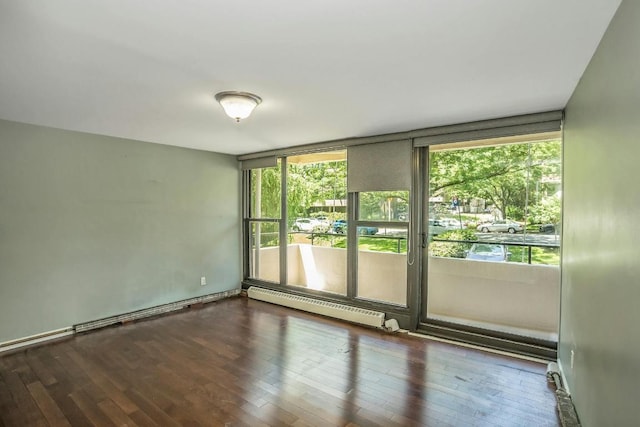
x,y
359,213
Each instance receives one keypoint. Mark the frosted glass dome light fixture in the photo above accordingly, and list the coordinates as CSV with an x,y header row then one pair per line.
x,y
238,105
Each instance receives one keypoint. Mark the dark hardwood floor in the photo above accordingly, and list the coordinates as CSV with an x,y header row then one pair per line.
x,y
240,362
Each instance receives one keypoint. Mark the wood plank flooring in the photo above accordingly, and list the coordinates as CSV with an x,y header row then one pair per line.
x,y
240,362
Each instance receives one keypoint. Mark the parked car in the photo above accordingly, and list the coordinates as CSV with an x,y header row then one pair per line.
x,y
452,223
323,220
488,252
547,228
502,225
324,223
439,226
305,224
340,227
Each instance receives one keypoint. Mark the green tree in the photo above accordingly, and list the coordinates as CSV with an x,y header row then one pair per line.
x,y
311,184
384,205
269,195
503,175
308,185
452,250
547,211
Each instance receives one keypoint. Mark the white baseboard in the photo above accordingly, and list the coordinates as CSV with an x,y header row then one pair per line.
x,y
35,339
134,315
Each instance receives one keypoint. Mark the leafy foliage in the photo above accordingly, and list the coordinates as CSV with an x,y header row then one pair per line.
x,y
452,250
308,185
312,184
507,176
546,212
384,205
519,180
269,181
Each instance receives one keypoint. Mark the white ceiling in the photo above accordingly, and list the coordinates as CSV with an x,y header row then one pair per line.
x,y
148,69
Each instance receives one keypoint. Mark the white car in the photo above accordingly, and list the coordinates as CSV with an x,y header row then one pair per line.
x,y
324,222
501,225
439,226
488,252
451,223
306,224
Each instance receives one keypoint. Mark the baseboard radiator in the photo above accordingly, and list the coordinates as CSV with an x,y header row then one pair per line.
x,y
325,308
153,311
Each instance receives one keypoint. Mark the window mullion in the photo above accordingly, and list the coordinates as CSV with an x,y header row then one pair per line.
x,y
284,229
352,246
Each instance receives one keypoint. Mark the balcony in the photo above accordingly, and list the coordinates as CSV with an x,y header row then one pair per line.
x,y
517,298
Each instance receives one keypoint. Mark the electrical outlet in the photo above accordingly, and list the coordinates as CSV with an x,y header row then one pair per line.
x,y
573,356
203,281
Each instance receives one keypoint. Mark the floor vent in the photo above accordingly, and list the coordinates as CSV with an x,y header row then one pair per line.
x,y
325,308
153,311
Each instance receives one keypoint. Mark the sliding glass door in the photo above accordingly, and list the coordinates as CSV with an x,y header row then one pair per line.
x,y
491,219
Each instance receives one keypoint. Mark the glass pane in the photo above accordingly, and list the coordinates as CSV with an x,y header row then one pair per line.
x,y
316,206
494,214
317,187
384,206
265,192
264,256
382,265
507,194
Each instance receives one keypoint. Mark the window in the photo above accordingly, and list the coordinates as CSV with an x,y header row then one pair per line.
x,y
494,215
316,218
505,193
382,232
309,235
476,252
263,223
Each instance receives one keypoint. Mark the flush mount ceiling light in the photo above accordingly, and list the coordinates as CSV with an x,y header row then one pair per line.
x,y
238,105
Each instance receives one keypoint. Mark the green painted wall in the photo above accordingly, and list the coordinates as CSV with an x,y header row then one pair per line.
x,y
601,248
93,226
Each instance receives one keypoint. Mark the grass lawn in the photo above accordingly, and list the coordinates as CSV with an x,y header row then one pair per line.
x,y
546,256
381,244
365,243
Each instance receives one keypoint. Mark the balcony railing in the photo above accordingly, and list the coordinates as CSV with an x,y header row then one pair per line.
x,y
554,247
519,297
397,246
